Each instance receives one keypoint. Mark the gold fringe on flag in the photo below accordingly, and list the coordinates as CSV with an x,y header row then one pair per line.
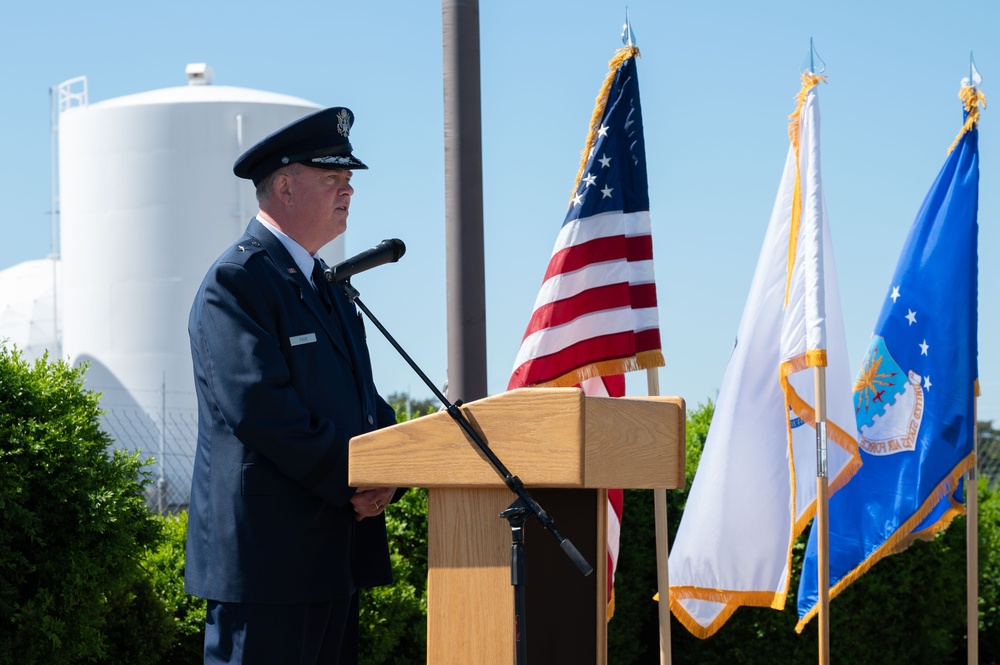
x,y
621,55
640,361
946,487
809,81
732,600
972,98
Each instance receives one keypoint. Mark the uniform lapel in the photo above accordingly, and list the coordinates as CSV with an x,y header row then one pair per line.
x,y
300,285
354,335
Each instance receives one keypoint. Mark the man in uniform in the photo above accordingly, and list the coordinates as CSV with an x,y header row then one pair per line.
x,y
278,542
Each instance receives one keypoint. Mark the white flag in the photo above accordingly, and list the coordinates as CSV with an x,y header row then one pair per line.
x,y
755,488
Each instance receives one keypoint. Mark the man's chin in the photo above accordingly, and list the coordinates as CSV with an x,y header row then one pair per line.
x,y
339,228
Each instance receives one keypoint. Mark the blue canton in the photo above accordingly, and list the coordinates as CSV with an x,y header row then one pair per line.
x,y
614,179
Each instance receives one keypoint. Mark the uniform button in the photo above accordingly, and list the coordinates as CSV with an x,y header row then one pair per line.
x,y
371,420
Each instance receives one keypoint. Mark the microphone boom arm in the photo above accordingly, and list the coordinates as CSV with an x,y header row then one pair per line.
x,y
454,410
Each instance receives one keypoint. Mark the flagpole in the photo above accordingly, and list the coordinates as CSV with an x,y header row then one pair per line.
x,y
822,518
463,190
972,543
972,480
662,546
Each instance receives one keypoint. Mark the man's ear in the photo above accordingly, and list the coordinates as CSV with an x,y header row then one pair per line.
x,y
283,187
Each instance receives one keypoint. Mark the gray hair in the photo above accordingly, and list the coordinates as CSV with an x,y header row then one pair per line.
x,y
266,185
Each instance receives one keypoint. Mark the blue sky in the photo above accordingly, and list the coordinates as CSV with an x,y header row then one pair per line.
x,y
717,83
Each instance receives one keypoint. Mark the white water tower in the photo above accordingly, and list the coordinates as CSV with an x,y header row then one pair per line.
x,y
148,201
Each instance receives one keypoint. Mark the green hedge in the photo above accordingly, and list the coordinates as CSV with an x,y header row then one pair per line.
x,y
74,519
394,618
185,615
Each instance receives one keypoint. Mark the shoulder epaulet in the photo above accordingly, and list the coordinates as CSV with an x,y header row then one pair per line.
x,y
242,251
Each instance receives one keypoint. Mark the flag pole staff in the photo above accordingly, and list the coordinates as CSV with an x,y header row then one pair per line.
x,y
659,495
662,546
822,518
972,540
972,489
822,525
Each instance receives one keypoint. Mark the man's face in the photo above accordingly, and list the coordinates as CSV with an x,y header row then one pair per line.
x,y
321,199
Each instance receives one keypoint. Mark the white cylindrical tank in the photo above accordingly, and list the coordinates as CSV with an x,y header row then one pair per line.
x,y
148,201
28,313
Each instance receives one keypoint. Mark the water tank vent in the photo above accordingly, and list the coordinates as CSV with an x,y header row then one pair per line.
x,y
199,73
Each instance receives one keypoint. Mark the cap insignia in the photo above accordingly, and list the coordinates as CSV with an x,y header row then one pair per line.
x,y
344,123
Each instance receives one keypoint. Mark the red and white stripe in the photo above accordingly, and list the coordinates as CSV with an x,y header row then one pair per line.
x,y
597,302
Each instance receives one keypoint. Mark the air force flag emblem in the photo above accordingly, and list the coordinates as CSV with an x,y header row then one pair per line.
x,y
888,402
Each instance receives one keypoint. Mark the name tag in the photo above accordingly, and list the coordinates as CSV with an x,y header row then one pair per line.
x,y
302,339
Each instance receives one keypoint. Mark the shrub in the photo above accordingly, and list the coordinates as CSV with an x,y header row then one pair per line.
x,y
394,618
138,628
989,569
74,519
184,613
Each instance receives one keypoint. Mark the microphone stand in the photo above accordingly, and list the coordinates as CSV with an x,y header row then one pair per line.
x,y
516,514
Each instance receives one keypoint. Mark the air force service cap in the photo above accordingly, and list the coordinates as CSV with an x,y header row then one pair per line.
x,y
319,140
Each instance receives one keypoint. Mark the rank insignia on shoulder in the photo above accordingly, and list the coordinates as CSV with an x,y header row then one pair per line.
x,y
241,248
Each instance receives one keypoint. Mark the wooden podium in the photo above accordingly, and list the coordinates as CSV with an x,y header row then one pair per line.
x,y
567,449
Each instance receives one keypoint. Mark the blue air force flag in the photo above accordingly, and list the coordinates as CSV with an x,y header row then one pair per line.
x,y
914,395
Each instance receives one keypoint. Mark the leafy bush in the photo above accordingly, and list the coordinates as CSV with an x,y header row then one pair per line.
x,y
408,408
185,614
989,569
138,628
394,618
74,519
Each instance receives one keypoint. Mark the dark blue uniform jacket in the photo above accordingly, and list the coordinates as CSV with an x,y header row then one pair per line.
x,y
282,387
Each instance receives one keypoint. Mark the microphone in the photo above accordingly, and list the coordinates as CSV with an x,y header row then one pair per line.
x,y
387,251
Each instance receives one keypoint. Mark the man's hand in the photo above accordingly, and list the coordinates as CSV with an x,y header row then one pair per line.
x,y
370,501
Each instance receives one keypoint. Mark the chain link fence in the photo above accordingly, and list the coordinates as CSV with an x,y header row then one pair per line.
x,y
169,437
989,453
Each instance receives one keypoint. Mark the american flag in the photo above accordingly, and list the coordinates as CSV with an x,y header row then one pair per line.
x,y
595,316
